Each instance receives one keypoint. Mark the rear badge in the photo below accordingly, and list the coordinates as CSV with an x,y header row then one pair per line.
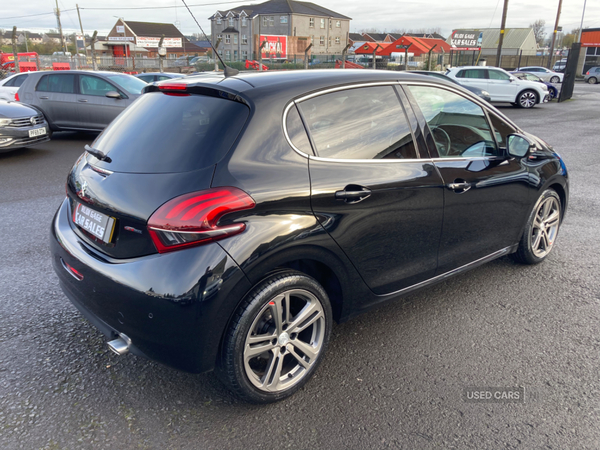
x,y
135,230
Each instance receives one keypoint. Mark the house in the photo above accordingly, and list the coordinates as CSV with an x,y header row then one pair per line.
x,y
128,36
379,37
287,26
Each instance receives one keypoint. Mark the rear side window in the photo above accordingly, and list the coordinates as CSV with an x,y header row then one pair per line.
x,y
62,83
19,80
471,73
162,133
363,123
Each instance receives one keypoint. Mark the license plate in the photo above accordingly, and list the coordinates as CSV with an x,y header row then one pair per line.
x,y
98,224
37,132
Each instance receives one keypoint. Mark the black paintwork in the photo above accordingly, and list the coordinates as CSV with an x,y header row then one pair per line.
x,y
363,253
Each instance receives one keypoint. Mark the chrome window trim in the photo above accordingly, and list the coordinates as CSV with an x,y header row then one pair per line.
x,y
474,99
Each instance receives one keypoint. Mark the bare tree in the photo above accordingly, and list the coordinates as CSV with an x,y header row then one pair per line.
x,y
538,30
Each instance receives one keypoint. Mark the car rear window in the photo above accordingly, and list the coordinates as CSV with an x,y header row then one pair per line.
x,y
161,133
62,83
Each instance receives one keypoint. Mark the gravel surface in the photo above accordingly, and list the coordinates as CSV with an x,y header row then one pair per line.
x,y
392,378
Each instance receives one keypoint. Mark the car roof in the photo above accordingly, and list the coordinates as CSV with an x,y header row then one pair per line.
x,y
86,72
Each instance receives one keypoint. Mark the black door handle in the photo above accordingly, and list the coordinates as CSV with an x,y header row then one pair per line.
x,y
82,100
353,194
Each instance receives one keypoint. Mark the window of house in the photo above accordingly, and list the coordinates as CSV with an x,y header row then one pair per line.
x,y
322,23
244,39
272,21
283,19
244,21
231,21
329,41
312,39
235,38
458,126
219,37
338,23
228,39
228,55
218,21
265,21
311,22
235,55
322,40
244,54
376,129
337,40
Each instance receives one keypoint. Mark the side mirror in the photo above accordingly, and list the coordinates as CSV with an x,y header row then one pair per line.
x,y
511,79
519,145
113,94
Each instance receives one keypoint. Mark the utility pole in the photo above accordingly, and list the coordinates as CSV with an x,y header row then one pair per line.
x,y
14,46
581,26
93,49
501,39
554,34
82,33
62,38
26,44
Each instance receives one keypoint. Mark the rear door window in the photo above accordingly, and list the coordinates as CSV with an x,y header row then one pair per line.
x,y
472,73
497,75
61,83
361,123
162,133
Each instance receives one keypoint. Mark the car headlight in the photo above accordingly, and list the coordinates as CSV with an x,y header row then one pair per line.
x,y
5,122
485,94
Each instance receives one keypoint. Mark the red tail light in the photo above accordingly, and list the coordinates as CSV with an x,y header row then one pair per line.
x,y
17,97
588,72
172,87
192,219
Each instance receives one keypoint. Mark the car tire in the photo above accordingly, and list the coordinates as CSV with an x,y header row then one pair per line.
x,y
527,99
292,347
541,230
554,79
553,92
592,80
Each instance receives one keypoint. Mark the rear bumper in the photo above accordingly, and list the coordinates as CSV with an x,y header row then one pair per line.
x,y
174,306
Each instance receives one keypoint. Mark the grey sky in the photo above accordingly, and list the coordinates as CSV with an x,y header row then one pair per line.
x,y
385,17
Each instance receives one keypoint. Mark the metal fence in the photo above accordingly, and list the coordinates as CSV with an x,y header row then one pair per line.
x,y
295,62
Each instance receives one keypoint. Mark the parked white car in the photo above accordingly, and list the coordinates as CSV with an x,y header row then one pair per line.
x,y
10,85
501,85
545,74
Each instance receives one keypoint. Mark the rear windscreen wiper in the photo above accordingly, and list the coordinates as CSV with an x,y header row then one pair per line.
x,y
97,153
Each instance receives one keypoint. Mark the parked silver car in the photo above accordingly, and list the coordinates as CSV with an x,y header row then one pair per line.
x,y
80,100
592,76
545,74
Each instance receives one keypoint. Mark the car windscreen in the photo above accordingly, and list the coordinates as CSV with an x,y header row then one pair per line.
x,y
161,133
130,83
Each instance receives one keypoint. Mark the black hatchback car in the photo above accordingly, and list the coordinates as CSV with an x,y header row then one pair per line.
x,y
226,223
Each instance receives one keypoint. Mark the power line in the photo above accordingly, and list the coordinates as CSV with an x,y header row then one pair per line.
x,y
33,15
164,7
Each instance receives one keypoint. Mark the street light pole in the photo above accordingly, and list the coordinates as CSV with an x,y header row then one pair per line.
x,y
581,26
554,34
501,39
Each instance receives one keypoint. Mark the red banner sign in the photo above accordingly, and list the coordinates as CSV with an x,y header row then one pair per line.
x,y
275,48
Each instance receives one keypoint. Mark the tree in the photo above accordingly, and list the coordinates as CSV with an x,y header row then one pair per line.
x,y
570,38
538,31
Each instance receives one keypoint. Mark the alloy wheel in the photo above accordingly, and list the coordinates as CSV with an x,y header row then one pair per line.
x,y
554,79
527,99
592,80
284,340
545,227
